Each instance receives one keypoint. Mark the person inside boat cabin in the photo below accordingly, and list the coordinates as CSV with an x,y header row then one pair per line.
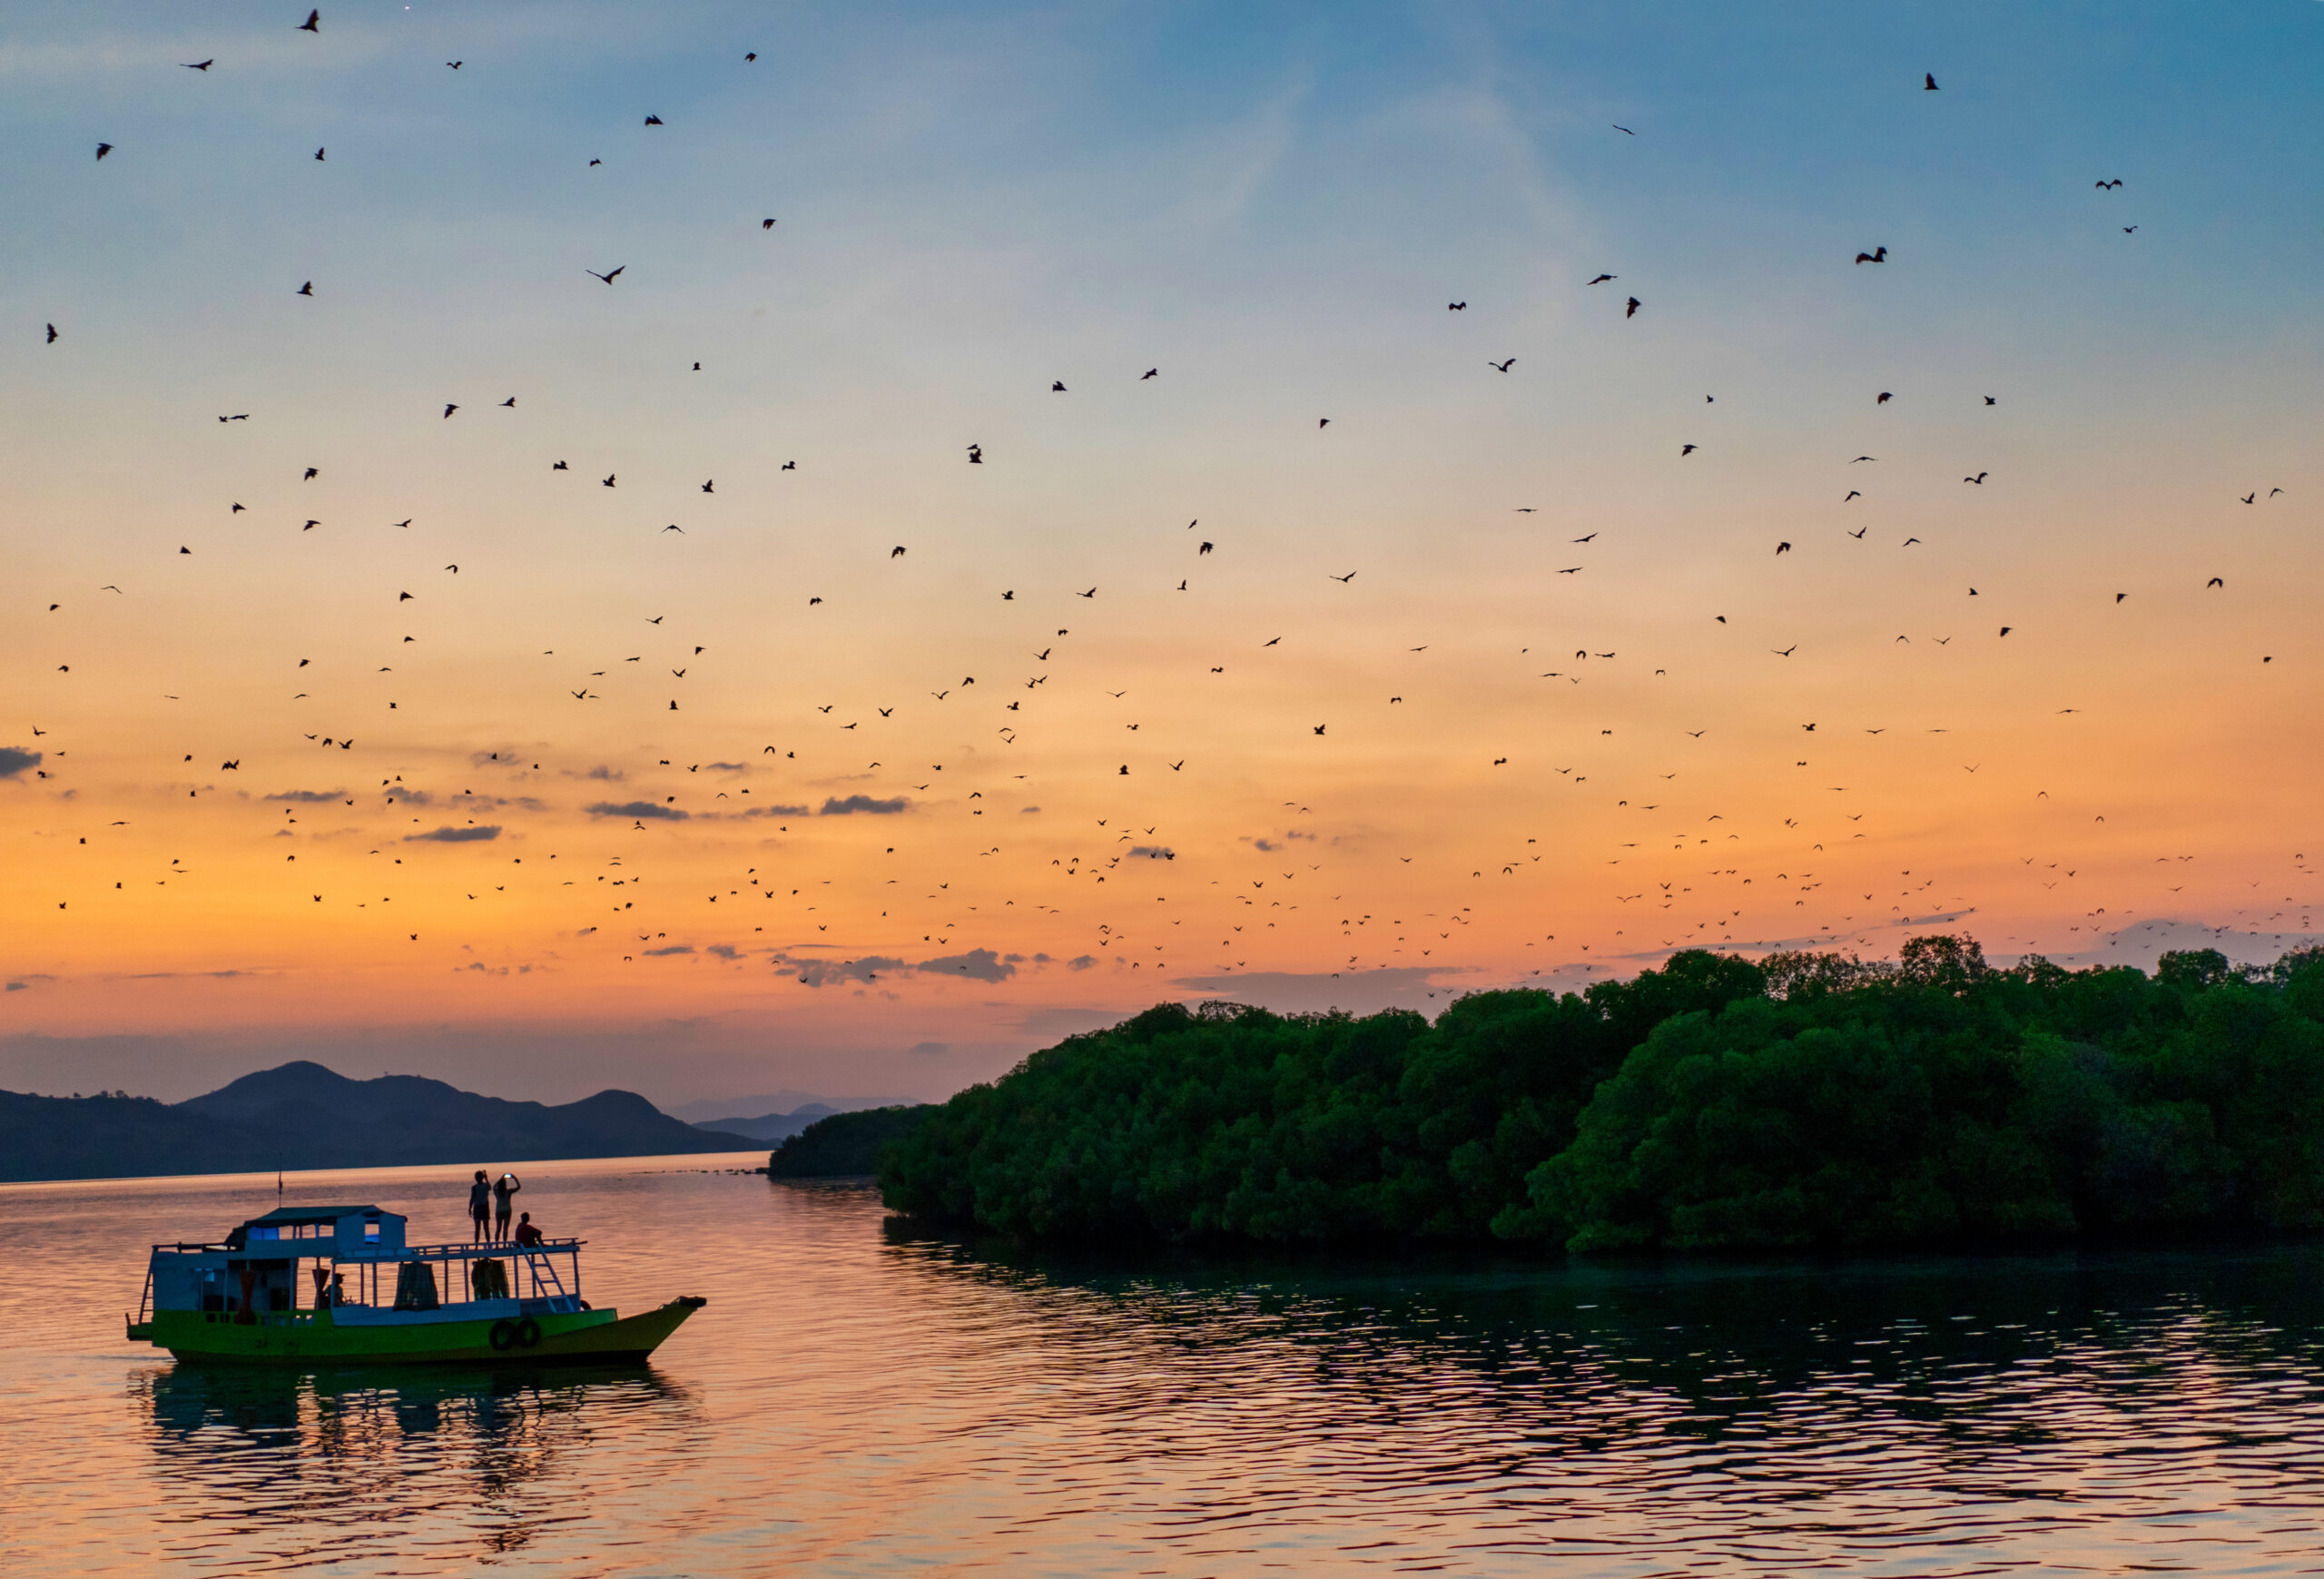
x,y
526,1234
507,1185
479,1207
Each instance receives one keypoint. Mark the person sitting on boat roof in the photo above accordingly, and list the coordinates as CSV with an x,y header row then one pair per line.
x,y
507,1185
479,1207
527,1235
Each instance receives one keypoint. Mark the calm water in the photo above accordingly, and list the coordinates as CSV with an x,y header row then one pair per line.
x,y
853,1401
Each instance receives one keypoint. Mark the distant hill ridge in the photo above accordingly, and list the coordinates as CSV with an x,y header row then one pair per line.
x,y
769,1126
302,1115
783,1125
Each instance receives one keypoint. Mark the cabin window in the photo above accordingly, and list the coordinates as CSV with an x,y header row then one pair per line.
x,y
372,1232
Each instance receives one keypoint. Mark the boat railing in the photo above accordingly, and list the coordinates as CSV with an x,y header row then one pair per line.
x,y
468,1250
525,1272
514,1271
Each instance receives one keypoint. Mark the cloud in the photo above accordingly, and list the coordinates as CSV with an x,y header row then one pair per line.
x,y
727,766
468,835
601,771
2139,944
977,965
772,811
410,798
823,973
310,797
931,1047
1842,940
836,807
1357,992
1153,851
1059,1020
1264,844
638,809
1082,963
671,949
13,761
468,801
724,950
2145,943
1023,811
18,986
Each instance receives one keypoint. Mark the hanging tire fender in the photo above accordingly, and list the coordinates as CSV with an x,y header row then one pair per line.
x,y
504,1333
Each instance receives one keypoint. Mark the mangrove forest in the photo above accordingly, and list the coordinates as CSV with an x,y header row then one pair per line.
x,y
1802,1100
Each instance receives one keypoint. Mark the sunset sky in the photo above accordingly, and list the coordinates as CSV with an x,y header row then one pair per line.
x,y
847,785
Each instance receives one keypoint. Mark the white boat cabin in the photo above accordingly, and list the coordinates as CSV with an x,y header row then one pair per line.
x,y
359,1266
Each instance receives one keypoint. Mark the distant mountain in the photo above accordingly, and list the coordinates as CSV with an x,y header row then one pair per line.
x,y
304,1116
769,1126
713,1110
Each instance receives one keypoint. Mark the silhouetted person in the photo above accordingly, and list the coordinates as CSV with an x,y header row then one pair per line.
x,y
527,1235
508,1186
479,1207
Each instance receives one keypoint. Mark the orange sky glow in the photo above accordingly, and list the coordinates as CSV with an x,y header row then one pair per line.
x,y
1482,683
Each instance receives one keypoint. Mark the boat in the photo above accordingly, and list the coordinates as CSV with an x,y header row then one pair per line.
x,y
368,1296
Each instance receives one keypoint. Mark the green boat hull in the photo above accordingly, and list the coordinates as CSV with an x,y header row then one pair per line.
x,y
312,1338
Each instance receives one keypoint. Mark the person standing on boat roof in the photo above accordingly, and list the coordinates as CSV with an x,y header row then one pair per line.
x,y
507,1186
479,1207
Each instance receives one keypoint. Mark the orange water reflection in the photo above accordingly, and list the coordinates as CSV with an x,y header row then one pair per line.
x,y
859,1400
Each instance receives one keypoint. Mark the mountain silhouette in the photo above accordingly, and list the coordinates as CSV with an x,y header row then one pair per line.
x,y
302,1115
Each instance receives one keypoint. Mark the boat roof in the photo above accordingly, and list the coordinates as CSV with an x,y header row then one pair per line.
x,y
287,1215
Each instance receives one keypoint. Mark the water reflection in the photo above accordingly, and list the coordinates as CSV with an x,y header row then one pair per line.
x,y
322,1465
859,1400
2067,1410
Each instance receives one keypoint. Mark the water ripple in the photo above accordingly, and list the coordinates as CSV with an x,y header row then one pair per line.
x,y
856,1400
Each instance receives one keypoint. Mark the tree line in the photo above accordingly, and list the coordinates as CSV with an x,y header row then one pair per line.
x,y
1801,1100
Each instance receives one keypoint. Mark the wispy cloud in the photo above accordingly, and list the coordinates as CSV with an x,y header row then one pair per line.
x,y
836,807
827,972
1357,992
977,965
641,811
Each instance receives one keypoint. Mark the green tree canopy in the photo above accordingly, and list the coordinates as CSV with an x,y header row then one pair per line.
x,y
1801,1100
